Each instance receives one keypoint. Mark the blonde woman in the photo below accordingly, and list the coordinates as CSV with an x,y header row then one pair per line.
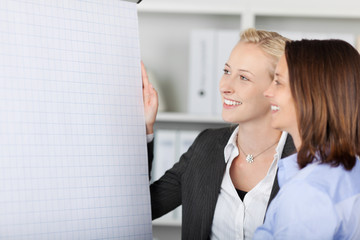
x,y
225,179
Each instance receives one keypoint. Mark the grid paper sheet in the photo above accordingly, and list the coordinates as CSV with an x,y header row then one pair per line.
x,y
73,161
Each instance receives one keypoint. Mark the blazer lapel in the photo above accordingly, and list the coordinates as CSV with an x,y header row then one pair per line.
x,y
215,172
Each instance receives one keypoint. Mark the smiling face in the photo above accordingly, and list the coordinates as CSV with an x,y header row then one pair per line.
x,y
246,76
283,111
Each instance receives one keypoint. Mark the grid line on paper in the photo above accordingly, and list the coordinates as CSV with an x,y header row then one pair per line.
x,y
125,7
60,38
72,135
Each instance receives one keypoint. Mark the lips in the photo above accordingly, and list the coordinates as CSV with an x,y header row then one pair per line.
x,y
231,102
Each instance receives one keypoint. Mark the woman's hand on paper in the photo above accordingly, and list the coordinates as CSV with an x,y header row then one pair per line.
x,y
150,99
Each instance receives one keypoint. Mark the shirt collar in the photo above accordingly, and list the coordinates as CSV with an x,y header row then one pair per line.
x,y
288,167
231,145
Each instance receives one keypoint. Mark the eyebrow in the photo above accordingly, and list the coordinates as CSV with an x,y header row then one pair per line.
x,y
241,70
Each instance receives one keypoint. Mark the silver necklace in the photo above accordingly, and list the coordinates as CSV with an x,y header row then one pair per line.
x,y
250,157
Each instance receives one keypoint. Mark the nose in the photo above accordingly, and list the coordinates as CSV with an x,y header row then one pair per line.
x,y
225,85
269,92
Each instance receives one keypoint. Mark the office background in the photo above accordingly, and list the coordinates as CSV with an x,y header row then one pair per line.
x,y
167,29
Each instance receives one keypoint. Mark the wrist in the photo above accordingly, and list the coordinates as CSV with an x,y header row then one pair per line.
x,y
149,129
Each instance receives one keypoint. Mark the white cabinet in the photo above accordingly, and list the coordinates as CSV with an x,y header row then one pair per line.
x,y
164,42
165,27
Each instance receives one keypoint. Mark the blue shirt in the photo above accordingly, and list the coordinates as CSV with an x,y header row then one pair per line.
x,y
317,202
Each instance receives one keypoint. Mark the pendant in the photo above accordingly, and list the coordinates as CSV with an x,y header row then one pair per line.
x,y
249,158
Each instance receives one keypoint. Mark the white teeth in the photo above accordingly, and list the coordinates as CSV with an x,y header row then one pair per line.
x,y
274,108
231,103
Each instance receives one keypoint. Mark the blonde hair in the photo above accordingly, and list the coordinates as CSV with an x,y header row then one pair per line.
x,y
271,43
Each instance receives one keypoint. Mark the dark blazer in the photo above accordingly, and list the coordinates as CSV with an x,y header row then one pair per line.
x,y
195,183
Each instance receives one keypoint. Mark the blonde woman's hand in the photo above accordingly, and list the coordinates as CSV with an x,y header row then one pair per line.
x,y
150,99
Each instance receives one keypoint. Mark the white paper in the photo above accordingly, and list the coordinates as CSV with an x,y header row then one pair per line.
x,y
72,137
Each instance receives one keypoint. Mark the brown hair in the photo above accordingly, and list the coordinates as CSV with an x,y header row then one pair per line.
x,y
324,79
271,43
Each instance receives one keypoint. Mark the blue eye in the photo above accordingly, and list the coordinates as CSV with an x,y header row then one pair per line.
x,y
243,78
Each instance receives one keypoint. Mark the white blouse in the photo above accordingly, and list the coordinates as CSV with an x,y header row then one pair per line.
x,y
236,219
